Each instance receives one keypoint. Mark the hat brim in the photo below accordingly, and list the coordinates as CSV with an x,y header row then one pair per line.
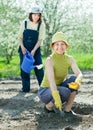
x,y
36,12
67,45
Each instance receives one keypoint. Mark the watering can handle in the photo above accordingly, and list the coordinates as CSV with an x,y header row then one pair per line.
x,y
28,53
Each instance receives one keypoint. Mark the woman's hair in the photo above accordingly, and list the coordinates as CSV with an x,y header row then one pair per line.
x,y
30,18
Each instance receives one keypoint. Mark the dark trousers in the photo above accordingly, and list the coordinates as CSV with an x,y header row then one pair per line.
x,y
26,77
45,94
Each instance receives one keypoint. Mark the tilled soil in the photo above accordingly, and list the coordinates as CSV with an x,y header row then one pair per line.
x,y
24,111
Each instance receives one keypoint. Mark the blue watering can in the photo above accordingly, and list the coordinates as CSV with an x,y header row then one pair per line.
x,y
28,61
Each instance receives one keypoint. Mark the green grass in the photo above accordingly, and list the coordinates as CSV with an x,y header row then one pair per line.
x,y
9,70
84,61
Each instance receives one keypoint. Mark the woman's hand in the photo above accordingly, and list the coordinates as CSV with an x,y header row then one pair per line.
x,y
23,50
75,85
57,99
22,46
32,52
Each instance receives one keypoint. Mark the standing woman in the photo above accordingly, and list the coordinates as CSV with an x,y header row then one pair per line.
x,y
57,88
31,36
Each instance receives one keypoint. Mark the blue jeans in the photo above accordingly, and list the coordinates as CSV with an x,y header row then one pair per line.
x,y
45,94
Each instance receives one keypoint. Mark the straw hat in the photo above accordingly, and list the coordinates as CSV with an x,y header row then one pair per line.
x,y
59,36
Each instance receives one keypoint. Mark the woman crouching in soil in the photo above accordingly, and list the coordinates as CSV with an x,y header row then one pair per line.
x,y
56,88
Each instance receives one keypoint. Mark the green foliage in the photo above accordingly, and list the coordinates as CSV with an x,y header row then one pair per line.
x,y
51,16
9,25
74,19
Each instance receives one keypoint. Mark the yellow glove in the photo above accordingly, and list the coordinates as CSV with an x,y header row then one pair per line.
x,y
57,99
78,81
75,85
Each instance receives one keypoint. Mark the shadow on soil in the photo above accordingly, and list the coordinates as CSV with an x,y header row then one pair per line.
x,y
57,122
39,119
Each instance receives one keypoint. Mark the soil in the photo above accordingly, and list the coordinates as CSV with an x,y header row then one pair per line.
x,y
24,111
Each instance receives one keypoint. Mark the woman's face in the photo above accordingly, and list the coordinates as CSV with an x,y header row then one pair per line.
x,y
35,17
59,47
